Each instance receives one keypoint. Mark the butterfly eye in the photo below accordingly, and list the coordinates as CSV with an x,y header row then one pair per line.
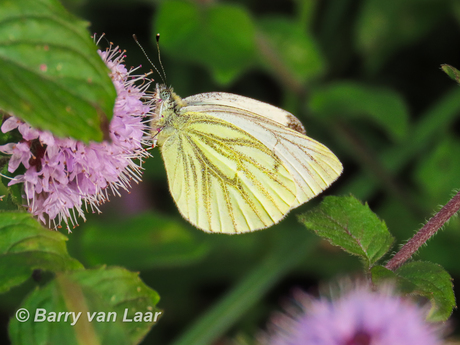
x,y
164,95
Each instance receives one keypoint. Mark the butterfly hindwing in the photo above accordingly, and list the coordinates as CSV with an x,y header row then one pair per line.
x,y
222,178
312,165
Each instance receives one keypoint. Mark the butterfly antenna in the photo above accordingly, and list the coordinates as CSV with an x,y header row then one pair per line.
x,y
159,56
145,54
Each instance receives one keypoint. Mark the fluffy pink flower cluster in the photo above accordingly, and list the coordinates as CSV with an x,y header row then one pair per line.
x,y
64,175
360,317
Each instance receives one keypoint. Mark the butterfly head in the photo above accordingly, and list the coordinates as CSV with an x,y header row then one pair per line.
x,y
163,93
167,108
164,104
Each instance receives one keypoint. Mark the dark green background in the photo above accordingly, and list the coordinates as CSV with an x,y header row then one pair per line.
x,y
363,76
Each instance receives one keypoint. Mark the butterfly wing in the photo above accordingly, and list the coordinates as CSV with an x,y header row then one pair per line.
x,y
222,178
251,105
312,165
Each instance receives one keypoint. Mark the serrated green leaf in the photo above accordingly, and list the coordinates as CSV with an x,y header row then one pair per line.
x,y
381,276
347,223
97,292
348,99
433,282
142,242
452,72
25,246
424,279
218,36
294,48
51,75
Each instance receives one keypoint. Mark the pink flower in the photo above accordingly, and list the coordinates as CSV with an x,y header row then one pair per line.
x,y
63,174
20,154
360,317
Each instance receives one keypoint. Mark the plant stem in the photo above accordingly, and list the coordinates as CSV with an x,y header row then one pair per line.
x,y
428,230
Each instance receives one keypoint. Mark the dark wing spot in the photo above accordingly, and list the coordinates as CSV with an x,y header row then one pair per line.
x,y
295,124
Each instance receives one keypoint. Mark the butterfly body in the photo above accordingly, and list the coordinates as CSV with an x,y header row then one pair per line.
x,y
235,164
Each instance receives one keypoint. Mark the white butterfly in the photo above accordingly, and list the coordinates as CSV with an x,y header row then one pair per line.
x,y
235,164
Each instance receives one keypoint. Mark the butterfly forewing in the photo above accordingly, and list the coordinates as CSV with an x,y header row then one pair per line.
x,y
222,178
238,103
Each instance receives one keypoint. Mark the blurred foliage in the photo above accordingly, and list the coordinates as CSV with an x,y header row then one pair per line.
x,y
365,79
151,241
452,72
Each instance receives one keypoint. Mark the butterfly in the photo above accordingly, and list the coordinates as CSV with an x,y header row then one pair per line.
x,y
235,164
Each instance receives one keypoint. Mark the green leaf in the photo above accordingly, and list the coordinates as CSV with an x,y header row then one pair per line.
x,y
51,75
455,7
439,171
142,242
348,99
216,35
347,223
433,282
381,276
291,48
385,26
452,72
11,197
424,279
98,292
25,246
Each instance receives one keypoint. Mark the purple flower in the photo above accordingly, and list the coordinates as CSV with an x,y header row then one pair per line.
x,y
63,175
360,317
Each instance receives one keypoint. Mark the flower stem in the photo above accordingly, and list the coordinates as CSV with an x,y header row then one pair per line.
x,y
428,230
